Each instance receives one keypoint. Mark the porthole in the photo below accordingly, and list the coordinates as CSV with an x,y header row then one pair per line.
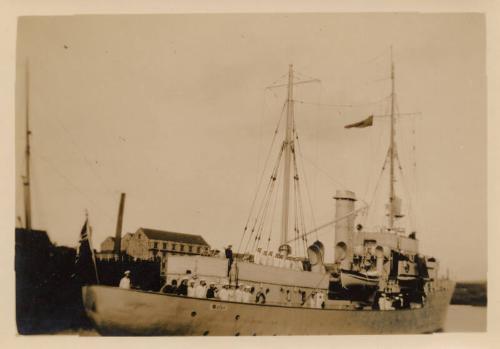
x,y
193,313
237,334
237,317
206,333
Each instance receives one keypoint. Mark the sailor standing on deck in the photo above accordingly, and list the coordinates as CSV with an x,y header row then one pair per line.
x,y
191,288
201,289
212,291
182,289
229,256
224,292
125,281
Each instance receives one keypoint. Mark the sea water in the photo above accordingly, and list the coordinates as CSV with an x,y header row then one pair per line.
x,y
465,318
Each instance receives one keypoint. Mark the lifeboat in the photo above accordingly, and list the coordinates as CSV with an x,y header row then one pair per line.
x,y
351,278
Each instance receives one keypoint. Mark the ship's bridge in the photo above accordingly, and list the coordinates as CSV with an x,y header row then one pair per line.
x,y
389,239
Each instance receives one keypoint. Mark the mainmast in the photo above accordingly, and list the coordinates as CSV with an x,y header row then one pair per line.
x,y
27,177
288,145
392,152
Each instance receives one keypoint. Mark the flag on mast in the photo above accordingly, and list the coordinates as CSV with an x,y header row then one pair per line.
x,y
361,124
85,264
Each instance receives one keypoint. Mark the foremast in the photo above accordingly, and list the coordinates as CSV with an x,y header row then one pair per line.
x,y
288,145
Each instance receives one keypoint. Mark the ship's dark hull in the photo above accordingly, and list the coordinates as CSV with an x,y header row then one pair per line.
x,y
115,311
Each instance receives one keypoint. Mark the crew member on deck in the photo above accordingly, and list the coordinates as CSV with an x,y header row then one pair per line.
x,y
125,281
224,292
229,256
212,290
190,289
182,289
169,288
201,289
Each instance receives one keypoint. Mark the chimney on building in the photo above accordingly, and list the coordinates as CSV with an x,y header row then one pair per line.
x,y
119,223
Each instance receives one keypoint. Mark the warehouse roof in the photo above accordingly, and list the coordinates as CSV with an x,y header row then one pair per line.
x,y
155,234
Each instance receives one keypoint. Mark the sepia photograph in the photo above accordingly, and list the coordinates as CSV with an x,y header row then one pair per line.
x,y
251,174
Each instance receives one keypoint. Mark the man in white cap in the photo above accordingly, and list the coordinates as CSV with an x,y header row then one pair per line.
x,y
191,290
201,289
125,281
224,293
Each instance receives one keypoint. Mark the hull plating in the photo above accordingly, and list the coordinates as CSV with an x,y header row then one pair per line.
x,y
115,311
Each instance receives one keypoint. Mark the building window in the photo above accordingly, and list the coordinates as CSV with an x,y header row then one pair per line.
x,y
155,245
174,247
182,247
164,253
164,245
190,248
198,249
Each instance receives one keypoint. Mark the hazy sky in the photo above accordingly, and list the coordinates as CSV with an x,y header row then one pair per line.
x,y
172,110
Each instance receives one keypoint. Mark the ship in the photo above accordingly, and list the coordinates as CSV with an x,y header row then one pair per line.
x,y
379,283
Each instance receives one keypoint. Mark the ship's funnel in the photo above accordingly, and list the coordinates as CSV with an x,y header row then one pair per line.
x,y
344,226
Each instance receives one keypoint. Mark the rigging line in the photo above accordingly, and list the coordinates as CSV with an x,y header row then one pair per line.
x,y
379,142
264,216
272,179
272,215
70,183
271,221
299,202
275,81
376,187
405,186
302,76
276,130
352,105
405,182
341,185
295,209
306,181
